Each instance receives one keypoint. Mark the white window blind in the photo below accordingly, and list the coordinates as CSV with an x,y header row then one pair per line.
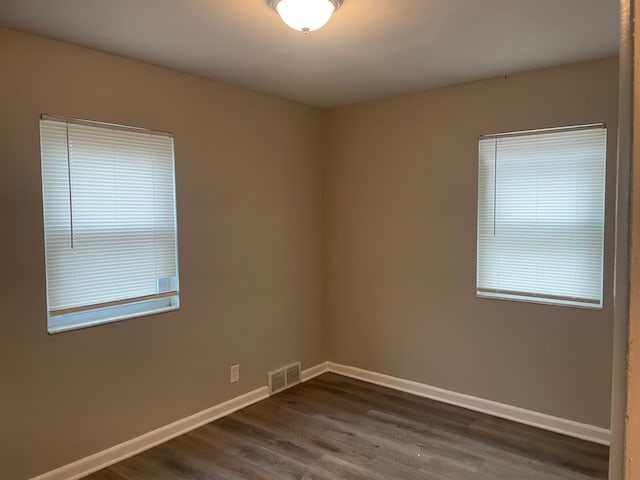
x,y
109,222
541,216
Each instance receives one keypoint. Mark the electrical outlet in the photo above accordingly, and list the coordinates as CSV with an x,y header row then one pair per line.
x,y
235,373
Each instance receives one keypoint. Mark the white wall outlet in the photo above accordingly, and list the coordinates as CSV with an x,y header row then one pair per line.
x,y
235,373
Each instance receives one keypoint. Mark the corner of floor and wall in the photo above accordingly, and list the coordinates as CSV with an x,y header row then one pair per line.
x,y
344,235
401,201
251,249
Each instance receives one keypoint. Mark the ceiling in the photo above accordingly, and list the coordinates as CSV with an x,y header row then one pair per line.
x,y
369,49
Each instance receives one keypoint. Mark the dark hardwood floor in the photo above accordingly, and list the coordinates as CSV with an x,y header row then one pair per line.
x,y
334,427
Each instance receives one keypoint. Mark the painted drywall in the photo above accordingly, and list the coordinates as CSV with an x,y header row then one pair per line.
x,y
250,246
632,418
278,205
401,239
632,427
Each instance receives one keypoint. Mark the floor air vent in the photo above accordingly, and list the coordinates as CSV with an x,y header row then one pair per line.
x,y
284,378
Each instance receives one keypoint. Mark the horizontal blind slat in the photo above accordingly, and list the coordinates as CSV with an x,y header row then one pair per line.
x,y
118,187
541,214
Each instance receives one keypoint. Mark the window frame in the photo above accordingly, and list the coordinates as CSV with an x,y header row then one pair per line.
x,y
536,297
79,317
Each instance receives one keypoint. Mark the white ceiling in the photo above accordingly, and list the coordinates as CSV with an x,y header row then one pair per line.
x,y
369,49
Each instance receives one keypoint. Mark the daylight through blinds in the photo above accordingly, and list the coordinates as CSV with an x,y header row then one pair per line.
x,y
541,216
109,216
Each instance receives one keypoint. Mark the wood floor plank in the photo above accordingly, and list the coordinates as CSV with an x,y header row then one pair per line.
x,y
335,427
107,474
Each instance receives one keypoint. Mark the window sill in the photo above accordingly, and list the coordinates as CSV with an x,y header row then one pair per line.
x,y
92,318
539,300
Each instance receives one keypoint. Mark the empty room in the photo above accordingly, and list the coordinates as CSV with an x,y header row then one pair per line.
x,y
316,239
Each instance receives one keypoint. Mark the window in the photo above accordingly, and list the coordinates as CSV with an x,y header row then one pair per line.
x,y
109,222
541,215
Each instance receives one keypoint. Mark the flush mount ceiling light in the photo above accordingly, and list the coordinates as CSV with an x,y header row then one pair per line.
x,y
305,15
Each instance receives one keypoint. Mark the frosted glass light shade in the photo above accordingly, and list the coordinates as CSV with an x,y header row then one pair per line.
x,y
306,15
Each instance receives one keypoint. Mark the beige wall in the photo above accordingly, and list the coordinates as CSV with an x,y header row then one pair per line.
x,y
251,250
396,231
632,452
401,203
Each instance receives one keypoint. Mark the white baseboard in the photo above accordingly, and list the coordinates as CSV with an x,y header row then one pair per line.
x,y
117,453
316,371
509,412
122,451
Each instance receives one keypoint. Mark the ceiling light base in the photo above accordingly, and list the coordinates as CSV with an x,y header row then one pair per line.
x,y
305,15
274,3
